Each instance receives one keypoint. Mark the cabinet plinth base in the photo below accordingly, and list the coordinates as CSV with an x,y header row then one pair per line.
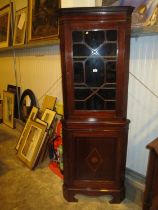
x,y
118,195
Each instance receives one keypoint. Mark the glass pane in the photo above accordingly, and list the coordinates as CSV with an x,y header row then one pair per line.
x,y
110,105
111,72
77,36
111,35
109,49
78,72
81,94
107,93
81,50
95,103
110,85
94,38
79,105
94,71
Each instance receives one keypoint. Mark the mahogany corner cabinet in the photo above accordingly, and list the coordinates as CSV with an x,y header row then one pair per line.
x,y
94,45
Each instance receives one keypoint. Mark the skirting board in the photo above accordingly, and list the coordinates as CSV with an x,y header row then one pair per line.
x,y
135,185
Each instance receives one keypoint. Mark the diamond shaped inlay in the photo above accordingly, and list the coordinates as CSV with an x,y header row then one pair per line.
x,y
94,159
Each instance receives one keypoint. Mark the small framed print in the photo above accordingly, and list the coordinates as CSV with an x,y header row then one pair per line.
x,y
48,117
43,19
31,143
16,90
8,109
20,27
32,116
4,26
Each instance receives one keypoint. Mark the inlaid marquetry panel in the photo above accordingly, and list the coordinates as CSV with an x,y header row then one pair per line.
x,y
97,157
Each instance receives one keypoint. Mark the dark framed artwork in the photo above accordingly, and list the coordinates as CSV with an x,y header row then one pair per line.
x,y
8,109
20,27
43,19
16,90
4,26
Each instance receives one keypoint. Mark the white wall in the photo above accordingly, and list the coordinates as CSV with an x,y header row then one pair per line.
x,y
142,100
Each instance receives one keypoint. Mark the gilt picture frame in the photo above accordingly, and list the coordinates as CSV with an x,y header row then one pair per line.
x,y
20,27
32,116
48,117
4,26
43,20
31,143
8,109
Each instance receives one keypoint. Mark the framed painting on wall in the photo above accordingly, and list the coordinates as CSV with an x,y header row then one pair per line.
x,y
4,26
20,27
43,19
8,109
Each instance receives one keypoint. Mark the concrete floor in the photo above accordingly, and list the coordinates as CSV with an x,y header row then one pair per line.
x,y
23,189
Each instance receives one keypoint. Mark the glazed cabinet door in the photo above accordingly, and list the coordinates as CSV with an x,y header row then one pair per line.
x,y
95,77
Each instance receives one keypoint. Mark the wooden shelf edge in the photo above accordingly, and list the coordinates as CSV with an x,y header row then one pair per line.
x,y
45,43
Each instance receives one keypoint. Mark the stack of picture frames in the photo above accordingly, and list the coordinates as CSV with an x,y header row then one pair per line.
x,y
33,21
32,145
